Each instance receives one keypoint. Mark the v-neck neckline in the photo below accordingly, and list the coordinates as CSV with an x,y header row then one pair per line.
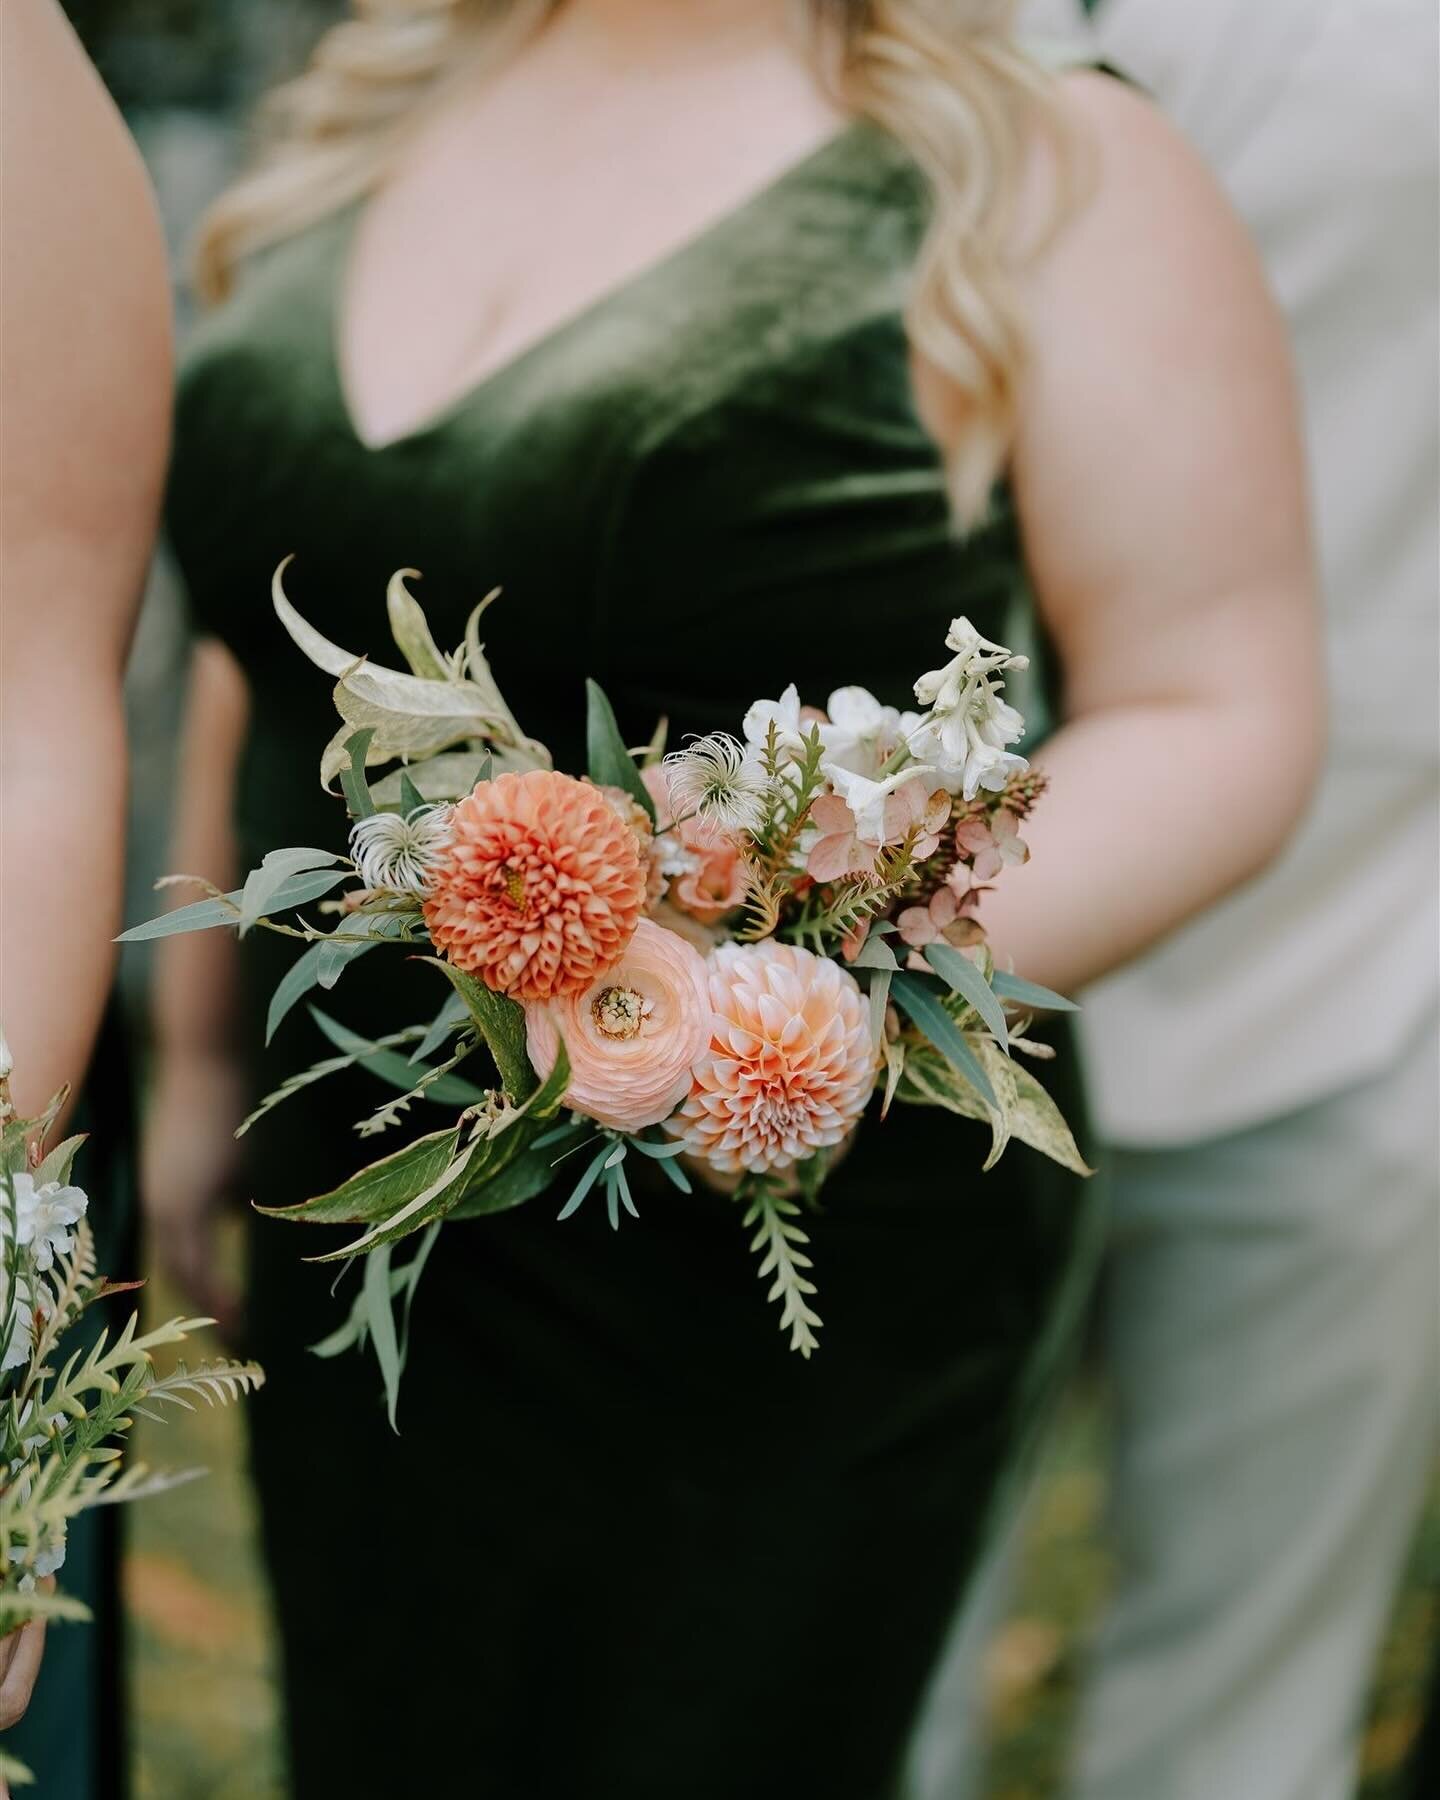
x,y
514,364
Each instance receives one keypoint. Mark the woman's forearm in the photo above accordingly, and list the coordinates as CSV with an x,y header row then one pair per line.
x,y
64,804
86,321
1153,813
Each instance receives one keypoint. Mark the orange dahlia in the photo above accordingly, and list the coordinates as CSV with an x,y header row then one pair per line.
x,y
791,1060
540,887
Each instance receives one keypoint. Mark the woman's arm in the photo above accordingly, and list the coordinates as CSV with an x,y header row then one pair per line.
x,y
85,338
1160,483
86,399
197,1094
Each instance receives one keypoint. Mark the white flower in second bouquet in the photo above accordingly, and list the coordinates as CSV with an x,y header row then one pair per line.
x,y
49,1558
22,1333
399,854
866,799
784,715
720,780
43,1217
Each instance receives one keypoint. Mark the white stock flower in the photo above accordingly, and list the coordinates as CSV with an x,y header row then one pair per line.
x,y
5,1063
784,715
975,656
866,798
862,732
966,732
720,779
398,854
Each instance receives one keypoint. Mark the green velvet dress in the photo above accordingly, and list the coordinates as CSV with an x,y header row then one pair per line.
x,y
627,1544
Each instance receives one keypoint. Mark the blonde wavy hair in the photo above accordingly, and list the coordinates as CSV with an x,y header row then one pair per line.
x,y
943,77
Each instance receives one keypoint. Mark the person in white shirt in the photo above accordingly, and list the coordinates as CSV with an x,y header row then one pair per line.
x,y
1266,1081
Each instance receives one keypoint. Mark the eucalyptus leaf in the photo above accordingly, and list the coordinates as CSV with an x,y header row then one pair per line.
x,y
677,1175
585,1183
924,1009
411,799
958,972
351,1333
875,953
380,1322
358,799
608,762
279,866
1029,993
452,1013
391,1066
204,915
323,963
878,994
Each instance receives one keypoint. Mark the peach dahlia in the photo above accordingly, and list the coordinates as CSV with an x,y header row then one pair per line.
x,y
540,888
790,1063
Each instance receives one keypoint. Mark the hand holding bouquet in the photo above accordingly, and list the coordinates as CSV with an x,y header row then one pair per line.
x,y
711,959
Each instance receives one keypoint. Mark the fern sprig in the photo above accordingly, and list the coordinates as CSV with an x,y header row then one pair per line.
x,y
782,1246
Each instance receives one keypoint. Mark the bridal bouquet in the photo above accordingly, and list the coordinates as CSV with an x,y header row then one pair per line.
x,y
65,1411
710,959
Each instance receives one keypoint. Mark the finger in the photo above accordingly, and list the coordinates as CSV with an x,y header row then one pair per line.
x,y
19,1681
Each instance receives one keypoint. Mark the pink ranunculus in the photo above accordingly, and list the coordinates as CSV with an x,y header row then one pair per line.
x,y
634,1037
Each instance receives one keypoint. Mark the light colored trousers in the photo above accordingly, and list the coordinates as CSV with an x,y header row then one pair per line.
x,y
1271,1335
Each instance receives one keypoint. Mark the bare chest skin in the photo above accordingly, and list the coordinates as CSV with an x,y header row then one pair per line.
x,y
525,197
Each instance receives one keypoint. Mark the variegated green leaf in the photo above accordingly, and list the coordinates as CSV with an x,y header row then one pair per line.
x,y
379,1190
1036,1120
410,630
57,1165
325,655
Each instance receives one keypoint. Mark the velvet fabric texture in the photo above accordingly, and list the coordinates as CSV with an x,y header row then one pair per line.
x,y
627,1544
